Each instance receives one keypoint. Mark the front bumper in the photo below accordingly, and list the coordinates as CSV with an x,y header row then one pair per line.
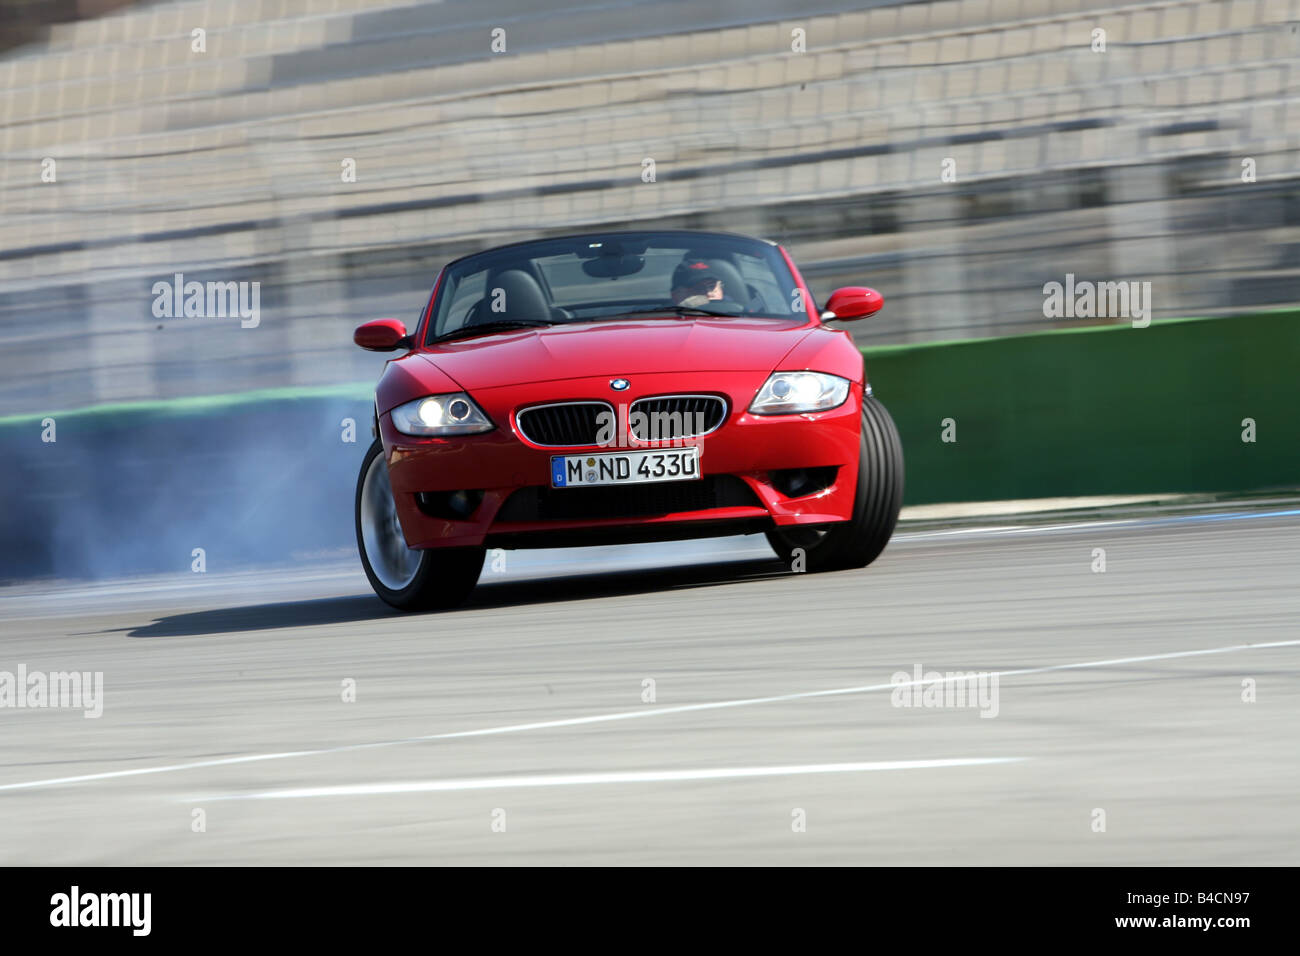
x,y
746,447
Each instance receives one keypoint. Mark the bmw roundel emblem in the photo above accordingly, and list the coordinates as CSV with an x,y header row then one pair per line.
x,y
619,384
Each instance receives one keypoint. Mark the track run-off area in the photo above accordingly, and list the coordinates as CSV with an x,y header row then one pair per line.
x,y
693,703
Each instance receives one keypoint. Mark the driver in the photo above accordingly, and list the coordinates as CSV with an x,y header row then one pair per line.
x,y
695,284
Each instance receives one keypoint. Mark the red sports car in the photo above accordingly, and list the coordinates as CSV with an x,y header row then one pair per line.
x,y
615,388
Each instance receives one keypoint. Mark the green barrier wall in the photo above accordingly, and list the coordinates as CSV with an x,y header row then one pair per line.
x,y
1103,410
1109,410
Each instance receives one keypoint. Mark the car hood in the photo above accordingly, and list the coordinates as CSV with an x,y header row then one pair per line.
x,y
617,348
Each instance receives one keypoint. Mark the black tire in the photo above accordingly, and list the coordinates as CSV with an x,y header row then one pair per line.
x,y
857,542
434,579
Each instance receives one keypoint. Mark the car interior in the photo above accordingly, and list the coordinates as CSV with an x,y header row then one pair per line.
x,y
521,287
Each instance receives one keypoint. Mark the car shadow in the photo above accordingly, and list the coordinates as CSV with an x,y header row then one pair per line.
x,y
489,594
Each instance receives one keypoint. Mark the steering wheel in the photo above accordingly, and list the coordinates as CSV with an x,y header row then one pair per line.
x,y
727,305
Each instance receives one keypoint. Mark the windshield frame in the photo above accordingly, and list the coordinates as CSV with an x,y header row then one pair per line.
x,y
770,252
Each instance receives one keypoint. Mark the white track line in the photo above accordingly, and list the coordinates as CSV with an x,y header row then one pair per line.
x,y
587,779
631,715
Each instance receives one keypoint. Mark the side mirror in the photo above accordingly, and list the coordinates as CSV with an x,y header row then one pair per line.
x,y
382,335
853,302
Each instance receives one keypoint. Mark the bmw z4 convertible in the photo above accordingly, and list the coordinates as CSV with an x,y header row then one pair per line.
x,y
616,388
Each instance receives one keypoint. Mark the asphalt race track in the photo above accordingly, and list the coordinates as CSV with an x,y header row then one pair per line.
x,y
1119,691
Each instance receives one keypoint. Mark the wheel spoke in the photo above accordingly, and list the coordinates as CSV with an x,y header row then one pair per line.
x,y
393,563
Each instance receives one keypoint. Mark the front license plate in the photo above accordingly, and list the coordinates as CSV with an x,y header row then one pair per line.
x,y
625,468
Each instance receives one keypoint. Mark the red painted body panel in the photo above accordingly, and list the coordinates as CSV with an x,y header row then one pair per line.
x,y
748,446
664,355
827,350
617,348
381,335
855,302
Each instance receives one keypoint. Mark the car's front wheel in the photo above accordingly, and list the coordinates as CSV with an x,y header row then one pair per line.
x,y
857,542
406,578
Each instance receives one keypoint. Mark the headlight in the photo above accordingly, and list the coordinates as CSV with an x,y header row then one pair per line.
x,y
789,392
454,414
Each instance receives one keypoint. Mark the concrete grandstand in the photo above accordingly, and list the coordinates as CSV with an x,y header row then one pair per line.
x,y
225,163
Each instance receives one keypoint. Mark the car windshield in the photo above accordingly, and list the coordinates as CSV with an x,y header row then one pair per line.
x,y
590,278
